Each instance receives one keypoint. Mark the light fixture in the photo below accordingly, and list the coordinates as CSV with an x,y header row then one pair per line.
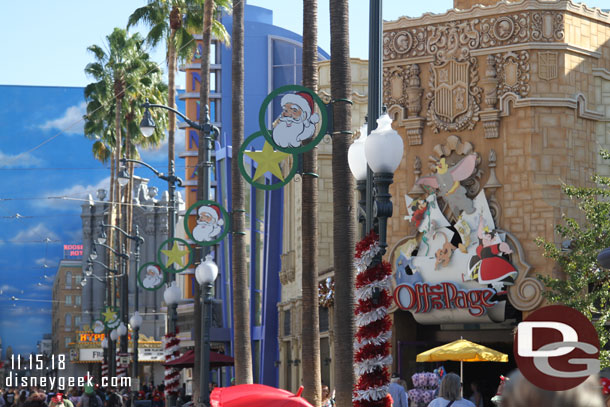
x,y
356,158
89,269
136,320
114,335
147,125
206,272
122,329
93,254
83,282
123,176
172,294
105,343
384,147
101,238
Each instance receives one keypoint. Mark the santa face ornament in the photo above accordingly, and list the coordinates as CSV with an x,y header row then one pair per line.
x,y
151,277
210,223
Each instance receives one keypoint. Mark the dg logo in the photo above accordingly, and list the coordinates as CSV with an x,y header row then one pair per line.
x,y
557,348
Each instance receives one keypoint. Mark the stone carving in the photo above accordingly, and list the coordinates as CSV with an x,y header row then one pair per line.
x,y
490,83
287,273
457,37
454,96
547,26
547,65
414,91
513,73
417,189
393,85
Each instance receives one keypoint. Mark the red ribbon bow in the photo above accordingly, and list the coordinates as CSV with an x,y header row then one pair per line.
x,y
605,385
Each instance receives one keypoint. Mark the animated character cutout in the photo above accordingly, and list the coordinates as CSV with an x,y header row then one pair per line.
x,y
297,122
447,181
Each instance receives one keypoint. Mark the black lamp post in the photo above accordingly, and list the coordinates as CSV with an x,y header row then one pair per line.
x,y
206,274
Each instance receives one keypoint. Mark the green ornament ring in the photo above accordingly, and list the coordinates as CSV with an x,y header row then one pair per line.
x,y
168,243
224,215
267,133
141,280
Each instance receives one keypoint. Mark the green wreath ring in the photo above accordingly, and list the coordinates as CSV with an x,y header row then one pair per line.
x,y
225,217
116,322
143,267
248,178
266,132
171,269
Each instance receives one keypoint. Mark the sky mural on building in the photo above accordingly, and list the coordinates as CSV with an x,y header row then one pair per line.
x,y
47,171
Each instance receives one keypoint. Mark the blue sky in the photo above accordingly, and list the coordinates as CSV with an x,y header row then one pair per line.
x,y
44,47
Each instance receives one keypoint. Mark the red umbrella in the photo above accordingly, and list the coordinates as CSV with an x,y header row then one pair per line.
x,y
256,395
188,360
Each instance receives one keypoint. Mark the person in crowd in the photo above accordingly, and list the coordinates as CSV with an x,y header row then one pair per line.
x,y
328,400
2,402
158,398
476,397
519,392
398,393
449,393
90,398
497,399
21,399
36,400
113,399
9,398
74,396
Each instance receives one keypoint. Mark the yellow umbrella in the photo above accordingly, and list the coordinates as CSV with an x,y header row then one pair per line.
x,y
462,351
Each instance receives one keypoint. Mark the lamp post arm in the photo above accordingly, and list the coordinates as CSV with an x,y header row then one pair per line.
x,y
169,178
122,255
128,236
186,119
104,266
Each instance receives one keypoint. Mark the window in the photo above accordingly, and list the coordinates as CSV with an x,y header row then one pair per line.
x,y
77,322
68,280
77,279
287,322
68,300
68,340
68,322
323,319
77,300
287,68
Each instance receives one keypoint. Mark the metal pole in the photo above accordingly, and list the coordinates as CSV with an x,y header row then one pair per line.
x,y
171,315
136,333
124,299
206,323
375,87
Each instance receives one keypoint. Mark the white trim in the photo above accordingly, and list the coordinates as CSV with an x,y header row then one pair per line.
x,y
601,73
578,102
197,65
196,95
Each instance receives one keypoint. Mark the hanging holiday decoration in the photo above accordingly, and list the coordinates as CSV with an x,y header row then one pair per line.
x,y
121,366
111,317
326,292
297,127
212,223
151,277
98,326
171,351
267,161
178,255
372,344
104,368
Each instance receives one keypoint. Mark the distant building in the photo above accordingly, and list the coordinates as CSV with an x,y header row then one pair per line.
x,y
45,345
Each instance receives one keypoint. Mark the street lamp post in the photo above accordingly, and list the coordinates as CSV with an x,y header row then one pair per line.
x,y
206,274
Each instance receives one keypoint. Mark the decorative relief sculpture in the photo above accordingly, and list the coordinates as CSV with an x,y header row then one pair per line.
x,y
445,39
490,117
513,73
393,84
454,96
547,65
414,91
417,189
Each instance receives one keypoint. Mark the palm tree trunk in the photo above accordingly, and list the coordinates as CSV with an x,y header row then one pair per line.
x,y
344,217
202,176
241,296
310,322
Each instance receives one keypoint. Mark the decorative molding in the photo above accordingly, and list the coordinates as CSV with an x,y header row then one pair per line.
x,y
502,7
601,73
414,91
513,73
417,189
453,96
490,82
491,122
548,65
288,268
548,26
415,130
492,185
578,103
393,85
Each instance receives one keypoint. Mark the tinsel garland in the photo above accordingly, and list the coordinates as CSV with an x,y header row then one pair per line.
x,y
172,375
121,370
372,341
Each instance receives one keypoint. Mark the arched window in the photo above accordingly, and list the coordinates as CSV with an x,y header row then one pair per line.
x,y
68,279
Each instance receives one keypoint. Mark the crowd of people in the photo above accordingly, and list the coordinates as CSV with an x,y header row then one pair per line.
x,y
87,396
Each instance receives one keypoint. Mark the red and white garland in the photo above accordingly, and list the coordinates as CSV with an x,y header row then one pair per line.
x,y
372,344
172,375
121,369
104,369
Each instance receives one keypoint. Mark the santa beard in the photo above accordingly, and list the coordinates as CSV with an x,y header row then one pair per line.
x,y
204,232
151,281
290,133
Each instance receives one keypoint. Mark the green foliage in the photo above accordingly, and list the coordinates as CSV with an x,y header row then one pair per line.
x,y
586,285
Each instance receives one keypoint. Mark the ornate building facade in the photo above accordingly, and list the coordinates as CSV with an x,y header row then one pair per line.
x,y
523,88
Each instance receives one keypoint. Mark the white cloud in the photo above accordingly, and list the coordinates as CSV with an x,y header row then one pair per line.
x,y
74,236
71,122
7,289
19,160
160,153
36,233
72,197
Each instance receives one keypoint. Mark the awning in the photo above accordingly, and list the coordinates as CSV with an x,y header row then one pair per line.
x,y
188,360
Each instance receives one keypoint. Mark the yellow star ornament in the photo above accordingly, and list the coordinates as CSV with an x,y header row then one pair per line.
x,y
110,315
175,255
268,160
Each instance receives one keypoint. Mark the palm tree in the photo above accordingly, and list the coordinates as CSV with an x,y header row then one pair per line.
x,y
344,217
174,22
310,322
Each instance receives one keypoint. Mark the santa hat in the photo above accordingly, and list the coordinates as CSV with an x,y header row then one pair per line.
x,y
213,211
304,101
153,270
